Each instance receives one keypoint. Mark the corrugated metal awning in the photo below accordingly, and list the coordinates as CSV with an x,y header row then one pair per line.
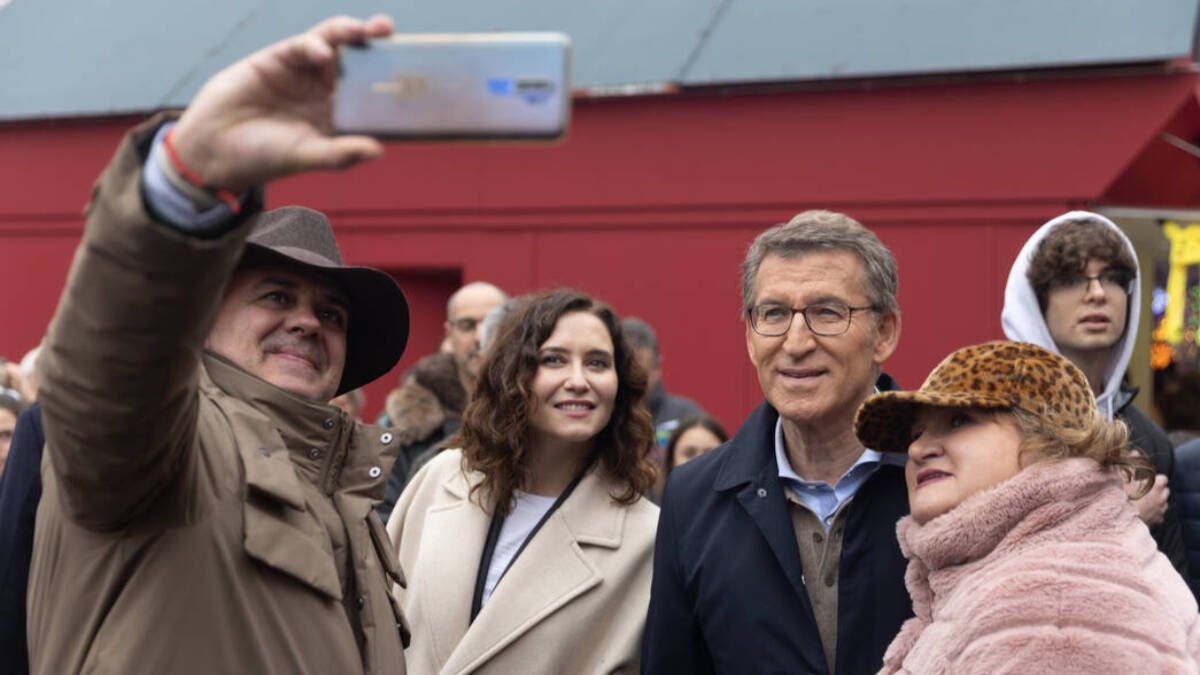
x,y
60,58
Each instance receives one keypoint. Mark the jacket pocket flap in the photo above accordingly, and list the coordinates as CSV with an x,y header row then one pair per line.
x,y
383,548
276,537
273,477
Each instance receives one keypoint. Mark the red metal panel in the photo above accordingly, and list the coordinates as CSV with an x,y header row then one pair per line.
x,y
684,283
33,270
651,202
1163,174
426,292
1061,139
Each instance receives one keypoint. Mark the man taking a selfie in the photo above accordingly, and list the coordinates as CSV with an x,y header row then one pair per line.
x,y
205,509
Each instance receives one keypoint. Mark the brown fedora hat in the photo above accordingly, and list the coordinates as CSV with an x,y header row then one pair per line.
x,y
378,327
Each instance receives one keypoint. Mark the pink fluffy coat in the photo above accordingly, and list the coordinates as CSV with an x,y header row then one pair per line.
x,y
1048,572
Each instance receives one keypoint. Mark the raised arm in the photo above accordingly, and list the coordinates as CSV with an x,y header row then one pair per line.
x,y
120,364
270,114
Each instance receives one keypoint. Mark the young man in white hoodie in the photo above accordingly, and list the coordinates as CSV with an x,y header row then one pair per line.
x,y
1074,289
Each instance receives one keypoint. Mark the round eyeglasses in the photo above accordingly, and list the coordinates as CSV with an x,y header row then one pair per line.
x,y
827,319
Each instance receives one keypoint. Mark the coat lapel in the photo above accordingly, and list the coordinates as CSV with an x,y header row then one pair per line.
x,y
452,543
750,469
553,570
768,508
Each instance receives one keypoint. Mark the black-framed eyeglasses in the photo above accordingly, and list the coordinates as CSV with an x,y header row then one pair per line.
x,y
827,319
1111,280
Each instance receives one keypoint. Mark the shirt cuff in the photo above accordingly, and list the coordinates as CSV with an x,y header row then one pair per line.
x,y
177,208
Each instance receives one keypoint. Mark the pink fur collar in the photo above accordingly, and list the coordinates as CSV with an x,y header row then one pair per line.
x,y
1045,495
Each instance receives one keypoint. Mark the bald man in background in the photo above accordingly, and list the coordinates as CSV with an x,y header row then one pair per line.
x,y
427,407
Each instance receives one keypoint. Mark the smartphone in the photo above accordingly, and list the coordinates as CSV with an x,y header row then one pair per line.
x,y
482,86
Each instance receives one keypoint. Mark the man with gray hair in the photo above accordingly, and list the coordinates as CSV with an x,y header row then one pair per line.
x,y
777,552
465,312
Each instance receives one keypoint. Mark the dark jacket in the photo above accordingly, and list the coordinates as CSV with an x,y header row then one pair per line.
x,y
20,492
1185,488
668,408
426,409
728,592
1145,435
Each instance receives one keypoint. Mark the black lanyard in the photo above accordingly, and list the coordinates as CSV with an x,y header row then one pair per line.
x,y
493,538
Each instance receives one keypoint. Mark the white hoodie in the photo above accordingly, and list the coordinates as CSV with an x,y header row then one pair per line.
x,y
1022,317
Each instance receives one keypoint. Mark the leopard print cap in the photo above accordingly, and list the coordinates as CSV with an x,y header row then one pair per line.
x,y
994,375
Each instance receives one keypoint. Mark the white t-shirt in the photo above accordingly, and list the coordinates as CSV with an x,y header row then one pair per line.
x,y
526,513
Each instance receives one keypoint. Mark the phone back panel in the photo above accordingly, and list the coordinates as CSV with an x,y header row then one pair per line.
x,y
457,86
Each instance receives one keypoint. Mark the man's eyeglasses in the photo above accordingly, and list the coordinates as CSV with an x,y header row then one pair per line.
x,y
1112,281
827,319
466,324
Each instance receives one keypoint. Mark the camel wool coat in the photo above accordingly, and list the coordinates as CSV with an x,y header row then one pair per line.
x,y
194,518
1049,572
573,602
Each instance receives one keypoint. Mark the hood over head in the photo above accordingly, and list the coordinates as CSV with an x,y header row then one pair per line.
x,y
1022,318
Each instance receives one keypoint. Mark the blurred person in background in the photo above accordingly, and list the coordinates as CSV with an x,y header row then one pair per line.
x,y
1075,290
666,409
20,492
351,403
1025,554
1177,402
9,373
491,322
18,378
529,549
465,312
10,409
693,437
426,409
28,382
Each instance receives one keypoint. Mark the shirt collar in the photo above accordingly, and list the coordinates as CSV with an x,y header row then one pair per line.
x,y
868,456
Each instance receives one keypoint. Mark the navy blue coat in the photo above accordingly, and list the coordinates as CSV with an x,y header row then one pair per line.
x,y
728,592
20,492
1185,487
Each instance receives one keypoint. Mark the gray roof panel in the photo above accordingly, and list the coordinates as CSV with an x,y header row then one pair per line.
x,y
62,58
772,40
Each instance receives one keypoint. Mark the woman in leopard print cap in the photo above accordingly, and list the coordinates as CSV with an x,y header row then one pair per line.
x,y
1024,552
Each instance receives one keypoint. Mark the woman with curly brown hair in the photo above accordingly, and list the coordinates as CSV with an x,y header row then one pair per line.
x,y
1024,552
528,550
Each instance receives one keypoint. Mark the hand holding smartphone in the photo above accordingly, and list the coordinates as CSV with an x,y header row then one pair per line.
x,y
456,86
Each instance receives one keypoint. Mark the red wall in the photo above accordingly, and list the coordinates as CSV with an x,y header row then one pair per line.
x,y
651,202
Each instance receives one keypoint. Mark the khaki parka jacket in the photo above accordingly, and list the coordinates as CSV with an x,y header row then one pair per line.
x,y
195,518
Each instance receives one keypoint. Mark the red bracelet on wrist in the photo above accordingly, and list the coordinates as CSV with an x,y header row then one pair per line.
x,y
185,172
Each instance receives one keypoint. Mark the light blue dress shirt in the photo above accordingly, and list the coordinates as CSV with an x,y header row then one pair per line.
x,y
173,204
820,497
